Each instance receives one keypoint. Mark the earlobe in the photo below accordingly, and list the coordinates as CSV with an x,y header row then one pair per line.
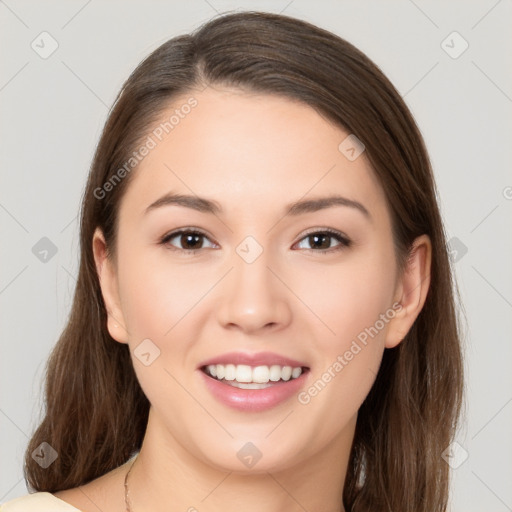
x,y
411,291
108,282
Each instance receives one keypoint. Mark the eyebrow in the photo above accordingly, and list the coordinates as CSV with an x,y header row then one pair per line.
x,y
297,208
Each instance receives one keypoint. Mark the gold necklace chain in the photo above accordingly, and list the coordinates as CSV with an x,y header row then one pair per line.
x,y
126,490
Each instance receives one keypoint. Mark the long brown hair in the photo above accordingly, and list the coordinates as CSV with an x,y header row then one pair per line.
x,y
96,412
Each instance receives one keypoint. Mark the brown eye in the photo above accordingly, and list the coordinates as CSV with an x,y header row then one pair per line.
x,y
191,241
185,240
322,241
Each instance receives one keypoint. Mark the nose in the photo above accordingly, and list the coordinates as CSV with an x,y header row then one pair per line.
x,y
253,299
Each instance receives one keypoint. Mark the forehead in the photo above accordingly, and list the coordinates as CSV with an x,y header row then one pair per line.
x,y
248,151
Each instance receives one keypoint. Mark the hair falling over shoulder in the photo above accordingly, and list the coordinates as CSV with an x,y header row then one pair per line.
x,y
95,412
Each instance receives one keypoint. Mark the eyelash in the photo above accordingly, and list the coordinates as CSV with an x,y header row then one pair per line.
x,y
344,242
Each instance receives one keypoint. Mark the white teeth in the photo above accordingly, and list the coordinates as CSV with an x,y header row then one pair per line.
x,y
248,385
286,372
220,370
275,373
252,377
243,373
260,374
230,372
296,372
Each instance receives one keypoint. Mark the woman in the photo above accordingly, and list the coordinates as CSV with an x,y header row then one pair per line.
x,y
264,314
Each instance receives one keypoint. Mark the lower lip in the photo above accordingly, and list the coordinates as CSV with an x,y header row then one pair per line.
x,y
254,400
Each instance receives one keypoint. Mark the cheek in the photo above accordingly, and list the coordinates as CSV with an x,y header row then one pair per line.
x,y
159,300
157,293
346,297
353,302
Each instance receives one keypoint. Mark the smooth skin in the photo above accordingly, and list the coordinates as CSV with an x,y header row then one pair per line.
x,y
254,155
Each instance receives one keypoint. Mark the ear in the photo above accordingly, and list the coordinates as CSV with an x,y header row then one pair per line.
x,y
412,290
109,288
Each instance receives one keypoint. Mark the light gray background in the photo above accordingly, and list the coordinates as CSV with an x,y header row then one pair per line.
x,y
53,110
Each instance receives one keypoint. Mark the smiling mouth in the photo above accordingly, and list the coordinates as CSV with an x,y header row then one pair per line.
x,y
253,377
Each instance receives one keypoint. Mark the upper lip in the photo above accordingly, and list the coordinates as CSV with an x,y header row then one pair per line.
x,y
255,359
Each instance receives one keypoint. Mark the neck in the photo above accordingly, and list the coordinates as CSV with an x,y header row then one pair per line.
x,y
165,474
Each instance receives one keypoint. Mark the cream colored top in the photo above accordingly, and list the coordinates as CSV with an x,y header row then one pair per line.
x,y
37,502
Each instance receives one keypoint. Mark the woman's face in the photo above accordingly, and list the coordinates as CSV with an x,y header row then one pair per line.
x,y
267,286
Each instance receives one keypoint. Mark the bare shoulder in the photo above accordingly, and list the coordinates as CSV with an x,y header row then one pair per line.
x,y
104,493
